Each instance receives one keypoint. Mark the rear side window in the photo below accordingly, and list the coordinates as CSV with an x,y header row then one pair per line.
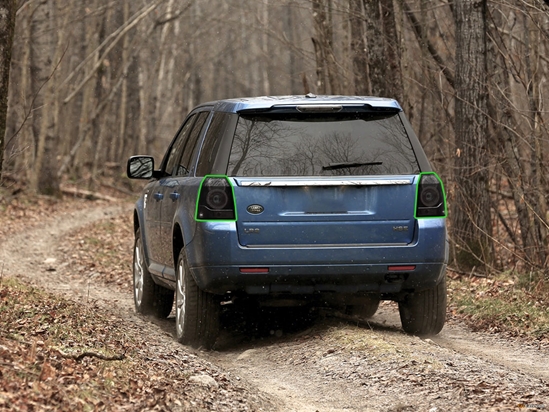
x,y
211,143
172,165
321,145
190,148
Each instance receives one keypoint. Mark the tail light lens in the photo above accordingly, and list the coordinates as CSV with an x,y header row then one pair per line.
x,y
430,198
215,199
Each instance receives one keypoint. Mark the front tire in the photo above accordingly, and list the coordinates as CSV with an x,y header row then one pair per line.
x,y
424,313
197,312
149,298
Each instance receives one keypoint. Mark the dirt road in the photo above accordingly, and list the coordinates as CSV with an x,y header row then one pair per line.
x,y
333,364
345,366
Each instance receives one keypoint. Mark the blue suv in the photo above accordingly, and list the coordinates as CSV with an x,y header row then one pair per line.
x,y
291,200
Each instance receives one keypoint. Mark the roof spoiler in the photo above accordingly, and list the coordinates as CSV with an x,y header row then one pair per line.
x,y
321,108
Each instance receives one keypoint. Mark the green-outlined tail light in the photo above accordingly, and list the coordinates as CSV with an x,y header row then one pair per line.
x,y
215,199
430,197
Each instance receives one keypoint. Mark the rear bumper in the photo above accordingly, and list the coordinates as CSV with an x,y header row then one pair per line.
x,y
216,258
304,280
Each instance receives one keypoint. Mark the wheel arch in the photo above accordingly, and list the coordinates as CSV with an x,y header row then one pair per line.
x,y
178,243
138,225
183,228
136,221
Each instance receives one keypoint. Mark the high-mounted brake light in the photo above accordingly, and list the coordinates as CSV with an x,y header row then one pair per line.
x,y
319,108
430,197
215,200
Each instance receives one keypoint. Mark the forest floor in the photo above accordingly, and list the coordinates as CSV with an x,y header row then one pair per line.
x,y
71,340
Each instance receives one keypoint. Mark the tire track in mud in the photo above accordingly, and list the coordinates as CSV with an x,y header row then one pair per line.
x,y
519,356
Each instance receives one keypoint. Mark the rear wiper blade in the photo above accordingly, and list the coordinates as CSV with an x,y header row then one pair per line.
x,y
335,166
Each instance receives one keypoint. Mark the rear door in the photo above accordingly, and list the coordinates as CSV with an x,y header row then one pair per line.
x,y
152,221
324,212
172,190
165,192
323,180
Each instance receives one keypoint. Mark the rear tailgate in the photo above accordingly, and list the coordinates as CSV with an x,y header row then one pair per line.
x,y
325,211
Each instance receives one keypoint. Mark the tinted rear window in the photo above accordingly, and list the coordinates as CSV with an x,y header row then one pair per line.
x,y
211,143
321,145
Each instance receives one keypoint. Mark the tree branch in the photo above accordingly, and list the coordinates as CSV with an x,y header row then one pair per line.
x,y
79,357
422,39
27,115
119,35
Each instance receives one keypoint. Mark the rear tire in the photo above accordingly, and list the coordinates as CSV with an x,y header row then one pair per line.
x,y
365,310
149,298
197,312
424,313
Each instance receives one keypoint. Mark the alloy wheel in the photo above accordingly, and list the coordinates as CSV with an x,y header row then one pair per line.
x,y
138,274
180,299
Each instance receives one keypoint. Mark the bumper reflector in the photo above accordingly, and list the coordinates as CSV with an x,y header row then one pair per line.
x,y
254,270
402,268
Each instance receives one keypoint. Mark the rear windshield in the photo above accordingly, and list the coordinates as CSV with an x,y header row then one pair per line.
x,y
326,145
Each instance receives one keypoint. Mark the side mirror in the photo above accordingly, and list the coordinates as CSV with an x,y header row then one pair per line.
x,y
140,167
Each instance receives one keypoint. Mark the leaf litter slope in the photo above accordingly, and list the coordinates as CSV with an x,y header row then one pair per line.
x,y
83,348
334,365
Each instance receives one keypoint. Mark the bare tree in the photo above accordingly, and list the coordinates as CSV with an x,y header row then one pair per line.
x,y
327,69
518,129
358,47
472,227
43,52
383,55
7,28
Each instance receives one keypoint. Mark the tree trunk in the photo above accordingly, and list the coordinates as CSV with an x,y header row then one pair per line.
x,y
471,222
327,71
376,53
290,26
265,47
536,196
123,108
394,87
358,48
384,73
43,46
104,85
7,28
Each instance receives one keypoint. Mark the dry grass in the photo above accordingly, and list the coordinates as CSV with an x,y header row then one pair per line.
x,y
512,304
